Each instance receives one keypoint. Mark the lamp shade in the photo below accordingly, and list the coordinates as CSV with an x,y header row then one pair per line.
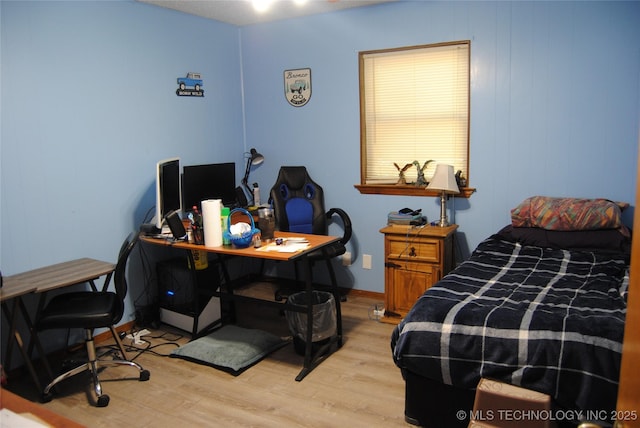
x,y
255,157
444,179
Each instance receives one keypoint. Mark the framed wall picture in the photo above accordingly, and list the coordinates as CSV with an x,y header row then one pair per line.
x,y
297,86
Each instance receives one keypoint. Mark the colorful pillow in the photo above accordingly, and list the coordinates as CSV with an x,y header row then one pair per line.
x,y
568,213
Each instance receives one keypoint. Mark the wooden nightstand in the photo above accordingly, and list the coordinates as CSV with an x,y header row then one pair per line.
x,y
415,258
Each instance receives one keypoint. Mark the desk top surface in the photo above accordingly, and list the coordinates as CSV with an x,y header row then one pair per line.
x,y
54,276
266,251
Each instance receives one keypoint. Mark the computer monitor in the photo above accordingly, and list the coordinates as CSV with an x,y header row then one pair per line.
x,y
211,181
168,189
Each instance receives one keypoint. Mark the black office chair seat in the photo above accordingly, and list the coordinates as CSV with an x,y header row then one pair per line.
x,y
90,310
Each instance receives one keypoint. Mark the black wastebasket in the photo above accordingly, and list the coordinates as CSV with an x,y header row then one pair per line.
x,y
324,319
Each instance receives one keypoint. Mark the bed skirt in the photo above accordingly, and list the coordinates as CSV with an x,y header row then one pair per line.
x,y
432,404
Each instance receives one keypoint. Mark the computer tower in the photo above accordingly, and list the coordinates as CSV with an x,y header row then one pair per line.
x,y
181,301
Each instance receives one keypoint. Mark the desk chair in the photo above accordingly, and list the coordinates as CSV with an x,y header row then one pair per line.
x,y
298,206
90,310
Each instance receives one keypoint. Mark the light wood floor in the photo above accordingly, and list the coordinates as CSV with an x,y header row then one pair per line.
x,y
357,386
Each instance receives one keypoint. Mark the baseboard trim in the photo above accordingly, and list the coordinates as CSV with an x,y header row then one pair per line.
x,y
362,293
106,335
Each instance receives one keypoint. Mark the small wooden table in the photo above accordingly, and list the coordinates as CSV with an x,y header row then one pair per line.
x,y
40,281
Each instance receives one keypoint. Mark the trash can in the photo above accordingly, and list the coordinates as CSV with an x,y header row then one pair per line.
x,y
324,319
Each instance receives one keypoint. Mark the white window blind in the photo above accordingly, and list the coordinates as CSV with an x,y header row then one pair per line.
x,y
414,107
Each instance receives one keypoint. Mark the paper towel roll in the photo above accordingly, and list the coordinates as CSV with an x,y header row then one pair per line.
x,y
211,209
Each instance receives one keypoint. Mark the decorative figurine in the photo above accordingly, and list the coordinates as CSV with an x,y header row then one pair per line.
x,y
462,182
401,178
421,181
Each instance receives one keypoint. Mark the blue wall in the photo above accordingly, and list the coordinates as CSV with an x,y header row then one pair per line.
x,y
88,106
554,105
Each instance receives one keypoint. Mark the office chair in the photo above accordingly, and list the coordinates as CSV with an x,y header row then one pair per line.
x,y
298,206
90,310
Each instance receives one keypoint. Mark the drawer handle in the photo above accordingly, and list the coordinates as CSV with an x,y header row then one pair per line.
x,y
412,253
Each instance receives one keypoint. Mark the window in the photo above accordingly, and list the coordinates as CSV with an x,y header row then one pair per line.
x,y
414,106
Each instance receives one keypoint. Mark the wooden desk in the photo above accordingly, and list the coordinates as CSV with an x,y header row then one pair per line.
x,y
41,281
316,242
17,404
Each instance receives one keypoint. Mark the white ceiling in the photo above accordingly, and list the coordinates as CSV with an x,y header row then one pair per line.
x,y
242,12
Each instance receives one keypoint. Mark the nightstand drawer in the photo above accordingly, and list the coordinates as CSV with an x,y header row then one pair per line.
x,y
425,250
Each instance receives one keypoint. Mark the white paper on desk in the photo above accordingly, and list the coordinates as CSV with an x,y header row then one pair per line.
x,y
288,247
9,419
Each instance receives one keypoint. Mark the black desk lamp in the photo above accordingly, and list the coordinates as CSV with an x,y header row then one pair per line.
x,y
253,158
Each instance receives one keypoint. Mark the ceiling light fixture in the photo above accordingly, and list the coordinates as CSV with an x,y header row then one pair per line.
x,y
261,6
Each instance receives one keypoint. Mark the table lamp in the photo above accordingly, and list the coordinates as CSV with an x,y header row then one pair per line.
x,y
444,180
253,158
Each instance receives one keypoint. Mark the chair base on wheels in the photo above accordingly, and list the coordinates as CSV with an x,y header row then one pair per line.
x,y
93,366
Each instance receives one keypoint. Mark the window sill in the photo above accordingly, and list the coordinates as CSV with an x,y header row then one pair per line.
x,y
405,190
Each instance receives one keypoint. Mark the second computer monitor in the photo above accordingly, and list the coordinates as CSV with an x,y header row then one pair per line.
x,y
211,181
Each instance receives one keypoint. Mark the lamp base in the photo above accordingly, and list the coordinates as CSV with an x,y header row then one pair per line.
x,y
444,221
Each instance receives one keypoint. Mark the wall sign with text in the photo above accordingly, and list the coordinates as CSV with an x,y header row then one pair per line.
x,y
190,86
297,86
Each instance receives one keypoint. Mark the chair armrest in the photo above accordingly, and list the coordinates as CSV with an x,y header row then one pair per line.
x,y
346,223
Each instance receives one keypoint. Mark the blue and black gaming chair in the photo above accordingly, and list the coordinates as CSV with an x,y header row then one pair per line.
x,y
298,206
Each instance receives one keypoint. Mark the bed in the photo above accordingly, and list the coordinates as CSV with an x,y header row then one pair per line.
x,y
540,304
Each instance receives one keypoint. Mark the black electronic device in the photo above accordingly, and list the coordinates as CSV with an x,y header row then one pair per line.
x,y
210,181
409,211
241,198
407,216
168,195
175,225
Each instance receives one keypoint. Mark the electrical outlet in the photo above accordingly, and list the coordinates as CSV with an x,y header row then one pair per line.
x,y
366,261
346,259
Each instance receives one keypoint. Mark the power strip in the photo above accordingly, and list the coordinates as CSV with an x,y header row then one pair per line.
x,y
137,335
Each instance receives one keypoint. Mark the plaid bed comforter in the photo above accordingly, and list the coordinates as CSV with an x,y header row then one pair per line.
x,y
547,320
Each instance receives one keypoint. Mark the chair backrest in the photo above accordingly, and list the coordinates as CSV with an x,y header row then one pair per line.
x,y
119,275
298,202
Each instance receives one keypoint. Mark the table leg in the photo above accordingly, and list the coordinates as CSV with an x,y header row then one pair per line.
x,y
15,335
196,294
34,339
322,353
308,349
